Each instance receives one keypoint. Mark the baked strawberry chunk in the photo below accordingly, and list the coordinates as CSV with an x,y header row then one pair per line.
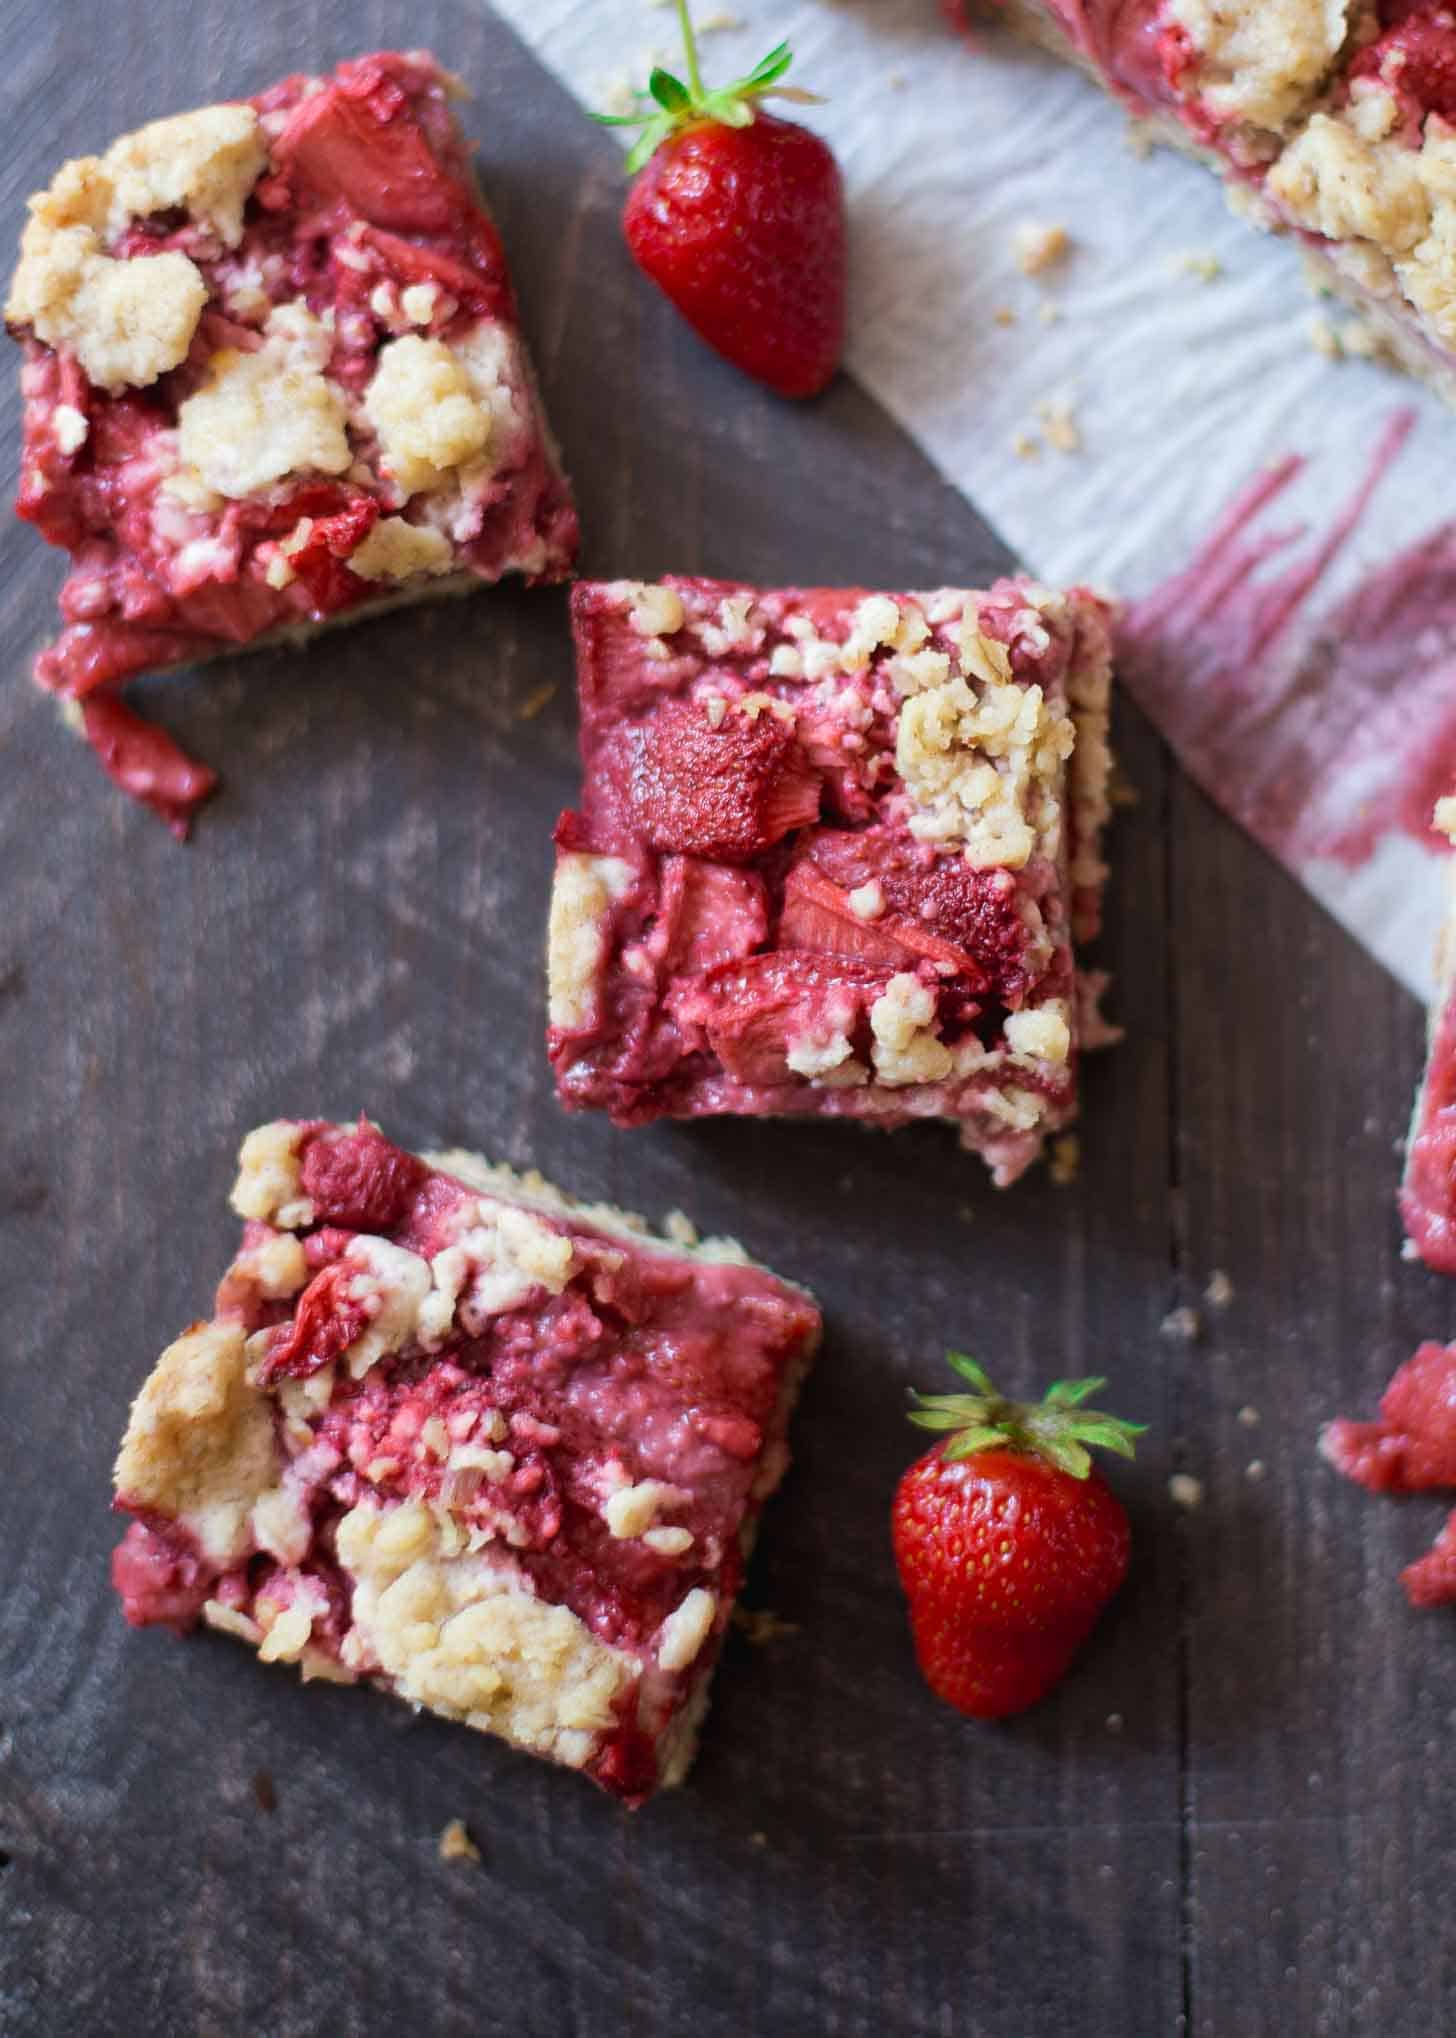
x,y
1428,1191
832,854
273,379
450,1433
1411,1449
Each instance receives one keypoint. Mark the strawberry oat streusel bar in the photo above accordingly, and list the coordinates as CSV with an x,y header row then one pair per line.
x,y
1428,1192
273,379
833,851
1334,120
451,1433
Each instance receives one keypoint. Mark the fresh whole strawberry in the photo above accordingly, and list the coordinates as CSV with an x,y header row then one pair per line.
x,y
738,217
1009,1543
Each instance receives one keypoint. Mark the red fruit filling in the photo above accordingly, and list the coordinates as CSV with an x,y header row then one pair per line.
x,y
646,1366
359,1180
1411,1449
368,192
727,792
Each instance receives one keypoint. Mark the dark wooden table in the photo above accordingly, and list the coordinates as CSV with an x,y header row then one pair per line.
x,y
1236,1818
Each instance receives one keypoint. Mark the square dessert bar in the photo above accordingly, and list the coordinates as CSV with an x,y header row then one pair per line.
x,y
1428,1191
451,1433
832,854
1334,122
273,379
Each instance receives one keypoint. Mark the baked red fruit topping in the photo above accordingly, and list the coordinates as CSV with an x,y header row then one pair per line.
x,y
833,851
1428,1190
273,379
726,792
738,218
1411,1449
1008,1542
453,1434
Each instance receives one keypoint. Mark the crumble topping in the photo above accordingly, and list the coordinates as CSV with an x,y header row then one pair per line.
x,y
269,1185
203,163
199,1444
275,1268
581,901
127,322
1353,178
69,427
262,416
1261,64
467,1639
686,1629
656,611
391,1285
632,1510
1041,1035
425,406
971,760
903,1023
396,550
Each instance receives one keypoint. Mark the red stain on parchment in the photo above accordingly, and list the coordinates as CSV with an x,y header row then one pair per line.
x,y
1320,734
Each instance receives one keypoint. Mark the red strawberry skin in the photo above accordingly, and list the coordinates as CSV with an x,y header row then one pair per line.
x,y
743,228
1006,1562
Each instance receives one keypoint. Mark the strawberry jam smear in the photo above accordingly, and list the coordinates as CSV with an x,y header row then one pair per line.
x,y
646,1366
743,785
367,192
1411,1449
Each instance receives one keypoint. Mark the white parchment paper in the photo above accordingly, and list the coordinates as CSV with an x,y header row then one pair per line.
x,y
1181,388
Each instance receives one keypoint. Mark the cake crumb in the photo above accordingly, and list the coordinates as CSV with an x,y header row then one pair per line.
x,y
1059,424
1323,337
1249,1416
1026,446
532,705
616,95
1182,1323
720,23
679,1227
897,81
265,1797
1185,1491
1039,246
1199,263
1220,1290
1066,1153
457,1845
1003,315
1254,1470
759,1625
1049,312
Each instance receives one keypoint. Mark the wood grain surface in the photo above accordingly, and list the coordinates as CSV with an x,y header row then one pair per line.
x,y
1236,1818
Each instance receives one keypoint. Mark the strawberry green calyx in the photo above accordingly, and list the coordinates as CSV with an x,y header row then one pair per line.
x,y
1058,1428
671,103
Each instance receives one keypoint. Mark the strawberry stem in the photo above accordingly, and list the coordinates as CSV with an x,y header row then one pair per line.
x,y
669,104
690,43
1058,1428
